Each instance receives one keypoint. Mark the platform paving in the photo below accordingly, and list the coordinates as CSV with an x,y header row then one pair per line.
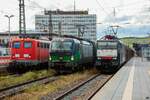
x,y
131,82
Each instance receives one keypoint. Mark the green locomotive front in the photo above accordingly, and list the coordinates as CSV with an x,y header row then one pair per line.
x,y
68,54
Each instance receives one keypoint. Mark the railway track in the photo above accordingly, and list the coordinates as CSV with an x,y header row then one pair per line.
x,y
12,90
85,90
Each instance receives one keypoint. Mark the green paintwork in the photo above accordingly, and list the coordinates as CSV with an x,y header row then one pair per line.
x,y
77,56
65,58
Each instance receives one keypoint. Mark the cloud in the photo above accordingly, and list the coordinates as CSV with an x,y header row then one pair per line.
x,y
130,30
135,24
135,12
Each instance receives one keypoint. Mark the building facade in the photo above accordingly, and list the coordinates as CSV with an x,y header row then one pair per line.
x,y
5,37
76,23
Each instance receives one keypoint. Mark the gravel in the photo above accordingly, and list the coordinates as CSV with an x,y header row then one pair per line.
x,y
83,92
86,90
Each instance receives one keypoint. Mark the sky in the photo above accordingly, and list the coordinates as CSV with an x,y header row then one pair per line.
x,y
133,16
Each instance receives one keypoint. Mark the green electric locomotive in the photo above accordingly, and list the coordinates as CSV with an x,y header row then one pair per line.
x,y
68,54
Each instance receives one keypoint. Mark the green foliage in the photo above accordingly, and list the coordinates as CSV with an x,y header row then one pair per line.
x,y
64,80
130,40
10,80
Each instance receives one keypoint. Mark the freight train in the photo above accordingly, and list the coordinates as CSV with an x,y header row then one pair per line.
x,y
68,54
29,52
111,54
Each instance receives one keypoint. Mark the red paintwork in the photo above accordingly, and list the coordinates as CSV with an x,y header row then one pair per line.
x,y
110,37
36,53
4,60
106,58
4,57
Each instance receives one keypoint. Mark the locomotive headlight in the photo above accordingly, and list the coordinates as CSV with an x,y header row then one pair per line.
x,y
17,55
26,55
72,58
50,58
99,58
114,58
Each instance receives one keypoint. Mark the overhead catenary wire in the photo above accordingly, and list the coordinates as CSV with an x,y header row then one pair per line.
x,y
101,7
35,4
121,7
131,4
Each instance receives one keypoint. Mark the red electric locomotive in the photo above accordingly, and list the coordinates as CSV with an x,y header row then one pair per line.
x,y
29,52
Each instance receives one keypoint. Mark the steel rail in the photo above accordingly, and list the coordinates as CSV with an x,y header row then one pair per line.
x,y
11,90
75,88
97,90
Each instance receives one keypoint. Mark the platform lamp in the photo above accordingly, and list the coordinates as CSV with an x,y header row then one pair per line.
x,y
9,17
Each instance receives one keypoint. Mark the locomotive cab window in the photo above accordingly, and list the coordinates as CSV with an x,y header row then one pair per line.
x,y
45,46
16,44
27,44
107,45
4,52
62,45
67,45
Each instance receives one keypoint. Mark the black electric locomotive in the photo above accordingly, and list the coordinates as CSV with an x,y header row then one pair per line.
x,y
111,54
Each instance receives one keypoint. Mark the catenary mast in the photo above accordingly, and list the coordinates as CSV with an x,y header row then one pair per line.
x,y
22,24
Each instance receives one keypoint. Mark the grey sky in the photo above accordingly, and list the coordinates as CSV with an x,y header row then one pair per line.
x,y
127,11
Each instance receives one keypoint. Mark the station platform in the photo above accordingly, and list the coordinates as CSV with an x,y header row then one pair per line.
x,y
131,82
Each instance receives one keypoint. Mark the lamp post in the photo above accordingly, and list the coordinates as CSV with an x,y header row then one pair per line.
x,y
9,16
